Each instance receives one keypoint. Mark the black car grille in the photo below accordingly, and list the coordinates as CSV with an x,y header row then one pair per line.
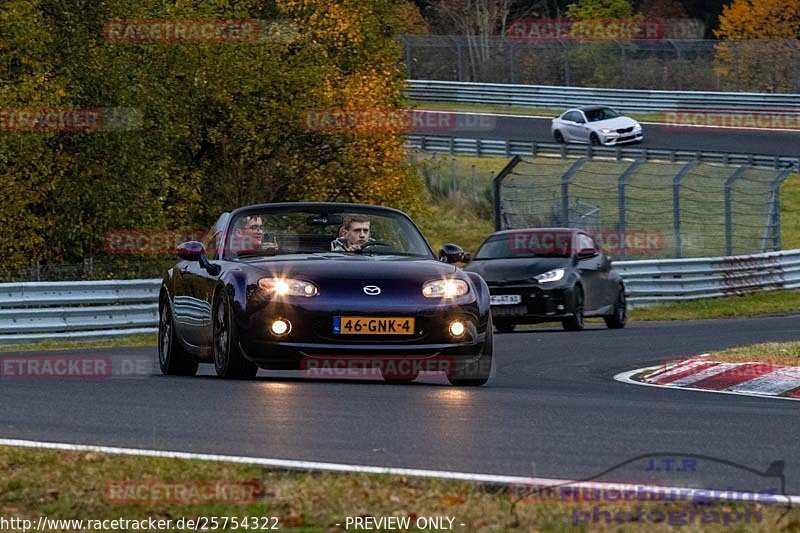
x,y
625,130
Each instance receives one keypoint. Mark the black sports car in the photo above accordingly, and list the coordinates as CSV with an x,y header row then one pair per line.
x,y
315,286
549,274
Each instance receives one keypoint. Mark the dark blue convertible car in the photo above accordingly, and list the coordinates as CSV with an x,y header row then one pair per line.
x,y
323,285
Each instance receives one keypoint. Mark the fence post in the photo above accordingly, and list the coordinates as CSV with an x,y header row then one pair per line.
x,y
793,44
565,55
565,181
776,207
736,65
497,182
676,204
512,72
679,61
459,63
623,182
407,51
728,211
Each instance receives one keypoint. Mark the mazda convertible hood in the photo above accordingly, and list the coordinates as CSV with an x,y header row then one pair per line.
x,y
516,269
362,268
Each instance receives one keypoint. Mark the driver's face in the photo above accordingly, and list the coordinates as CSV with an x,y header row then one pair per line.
x,y
358,233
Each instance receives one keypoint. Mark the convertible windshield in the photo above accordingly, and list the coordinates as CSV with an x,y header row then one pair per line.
x,y
601,113
528,243
272,232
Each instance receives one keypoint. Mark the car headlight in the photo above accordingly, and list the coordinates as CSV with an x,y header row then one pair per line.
x,y
550,275
606,130
445,288
288,287
637,126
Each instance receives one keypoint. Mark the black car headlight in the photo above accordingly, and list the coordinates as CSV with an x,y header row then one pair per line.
x,y
445,288
288,287
556,274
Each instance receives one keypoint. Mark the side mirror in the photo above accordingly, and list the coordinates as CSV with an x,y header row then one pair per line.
x,y
467,257
451,253
191,251
585,253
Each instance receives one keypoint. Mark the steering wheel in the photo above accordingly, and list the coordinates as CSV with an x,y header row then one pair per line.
x,y
370,244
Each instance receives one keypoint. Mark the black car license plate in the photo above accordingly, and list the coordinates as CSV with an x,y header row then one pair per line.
x,y
510,310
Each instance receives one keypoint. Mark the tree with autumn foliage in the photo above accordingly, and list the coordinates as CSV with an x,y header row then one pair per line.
x,y
220,123
760,51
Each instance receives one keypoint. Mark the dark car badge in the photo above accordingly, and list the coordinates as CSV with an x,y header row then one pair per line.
x,y
372,290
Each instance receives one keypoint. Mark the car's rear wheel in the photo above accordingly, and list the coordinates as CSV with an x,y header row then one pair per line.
x,y
504,326
559,137
594,139
228,359
172,358
477,373
576,321
620,317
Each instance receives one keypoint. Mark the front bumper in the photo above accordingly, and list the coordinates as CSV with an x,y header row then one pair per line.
x,y
538,303
311,335
613,139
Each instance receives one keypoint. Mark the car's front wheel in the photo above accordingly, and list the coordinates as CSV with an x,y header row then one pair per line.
x,y
576,321
620,317
228,359
172,358
594,140
477,373
558,136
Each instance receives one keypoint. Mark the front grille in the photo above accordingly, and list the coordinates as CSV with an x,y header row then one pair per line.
x,y
625,130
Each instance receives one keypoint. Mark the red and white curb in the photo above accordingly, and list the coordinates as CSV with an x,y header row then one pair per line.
x,y
701,374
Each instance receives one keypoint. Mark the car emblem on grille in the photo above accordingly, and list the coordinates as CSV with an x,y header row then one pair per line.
x,y
372,290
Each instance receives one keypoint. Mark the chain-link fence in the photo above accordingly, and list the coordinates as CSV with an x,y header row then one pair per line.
x,y
90,269
646,209
681,65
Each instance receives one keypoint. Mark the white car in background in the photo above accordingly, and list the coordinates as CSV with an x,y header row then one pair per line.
x,y
599,125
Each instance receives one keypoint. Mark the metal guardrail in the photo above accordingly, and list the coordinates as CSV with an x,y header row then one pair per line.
x,y
676,280
546,96
31,312
502,147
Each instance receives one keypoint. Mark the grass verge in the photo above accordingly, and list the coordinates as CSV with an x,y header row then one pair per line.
x,y
81,485
62,344
790,213
749,305
774,353
514,110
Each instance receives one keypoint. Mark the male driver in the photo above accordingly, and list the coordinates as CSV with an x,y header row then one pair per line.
x,y
352,235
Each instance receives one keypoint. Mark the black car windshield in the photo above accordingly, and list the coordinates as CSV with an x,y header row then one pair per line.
x,y
280,232
526,243
601,113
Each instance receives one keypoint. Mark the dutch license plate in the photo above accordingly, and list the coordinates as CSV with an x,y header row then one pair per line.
x,y
505,299
366,325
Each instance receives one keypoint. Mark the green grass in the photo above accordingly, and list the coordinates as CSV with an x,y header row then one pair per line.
x,y
73,485
758,304
776,353
790,213
62,344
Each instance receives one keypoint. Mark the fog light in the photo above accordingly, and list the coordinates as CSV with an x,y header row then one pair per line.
x,y
281,327
457,328
560,307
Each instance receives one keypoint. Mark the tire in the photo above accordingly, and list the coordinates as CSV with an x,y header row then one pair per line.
x,y
558,136
476,374
620,317
503,326
228,359
576,321
594,140
172,357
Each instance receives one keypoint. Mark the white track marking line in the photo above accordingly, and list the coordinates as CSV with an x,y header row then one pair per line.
x,y
672,126
703,374
339,467
775,382
627,377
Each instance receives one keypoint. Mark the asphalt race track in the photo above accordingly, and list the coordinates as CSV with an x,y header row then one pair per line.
x,y
656,135
551,410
